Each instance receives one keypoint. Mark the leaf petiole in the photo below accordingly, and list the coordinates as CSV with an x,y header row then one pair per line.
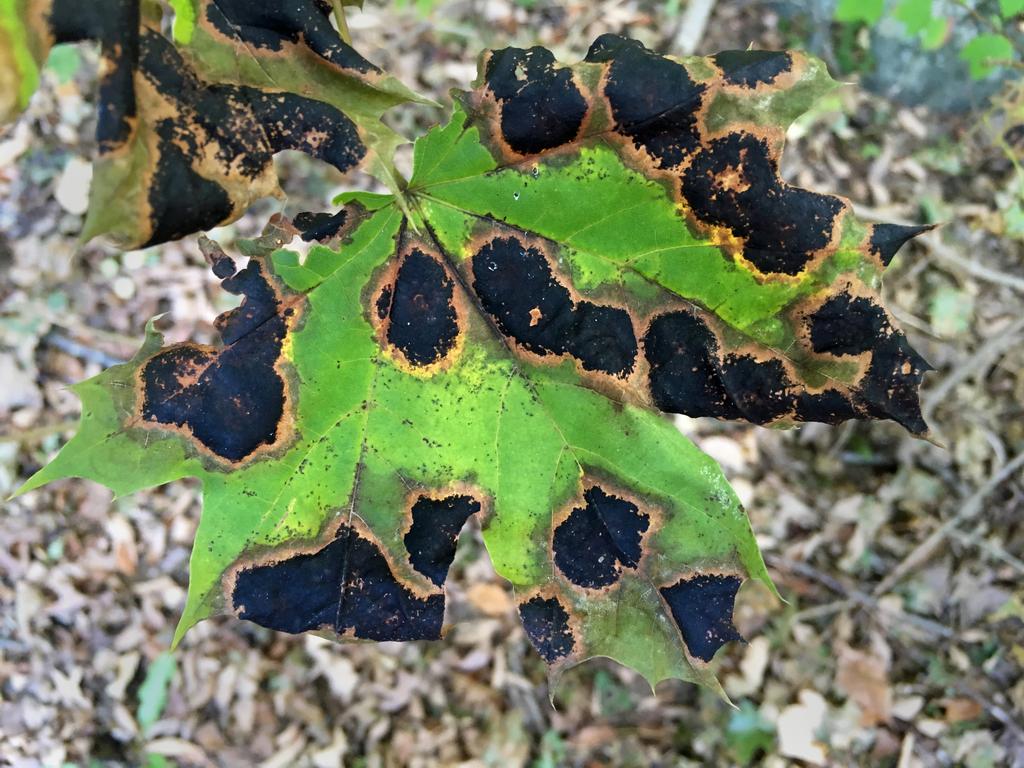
x,y
339,15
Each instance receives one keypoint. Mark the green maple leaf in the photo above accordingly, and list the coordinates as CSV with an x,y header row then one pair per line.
x,y
186,134
985,54
581,250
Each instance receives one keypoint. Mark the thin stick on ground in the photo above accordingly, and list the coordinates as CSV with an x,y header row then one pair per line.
x,y
692,26
924,551
976,365
895,619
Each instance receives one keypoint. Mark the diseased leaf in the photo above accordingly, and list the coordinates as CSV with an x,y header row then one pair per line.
x,y
712,287
580,249
359,410
270,45
186,137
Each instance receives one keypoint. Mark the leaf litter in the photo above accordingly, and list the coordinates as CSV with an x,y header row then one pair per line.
x,y
78,646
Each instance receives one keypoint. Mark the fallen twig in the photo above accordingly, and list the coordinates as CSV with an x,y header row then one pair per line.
x,y
901,618
692,26
950,256
977,364
924,551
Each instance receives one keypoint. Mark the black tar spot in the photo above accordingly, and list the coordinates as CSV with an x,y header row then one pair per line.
x,y
384,302
346,585
314,127
320,226
887,239
424,324
270,24
684,373
750,68
847,325
852,325
702,608
686,376
115,24
180,200
248,126
231,399
760,389
516,285
222,265
782,225
590,543
434,533
547,625
653,99
892,383
829,407
541,107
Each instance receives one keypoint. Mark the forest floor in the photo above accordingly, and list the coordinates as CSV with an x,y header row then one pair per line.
x,y
902,642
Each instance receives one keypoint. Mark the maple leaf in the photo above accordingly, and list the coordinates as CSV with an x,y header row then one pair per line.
x,y
186,134
580,250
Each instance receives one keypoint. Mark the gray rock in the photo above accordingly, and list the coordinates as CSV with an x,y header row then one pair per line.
x,y
902,70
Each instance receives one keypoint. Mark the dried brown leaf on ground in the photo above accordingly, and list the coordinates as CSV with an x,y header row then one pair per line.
x,y
85,612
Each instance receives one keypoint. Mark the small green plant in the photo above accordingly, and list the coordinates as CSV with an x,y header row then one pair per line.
x,y
984,53
581,250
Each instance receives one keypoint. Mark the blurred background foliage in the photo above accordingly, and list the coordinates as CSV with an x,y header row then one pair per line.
x,y
902,640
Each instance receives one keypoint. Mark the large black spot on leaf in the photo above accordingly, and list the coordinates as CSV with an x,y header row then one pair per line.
x,y
595,539
320,225
249,125
751,68
702,608
434,533
115,24
515,284
734,182
547,625
383,302
313,127
760,389
848,325
653,99
541,107
829,407
347,585
180,200
893,379
269,24
238,128
852,325
230,399
423,321
684,373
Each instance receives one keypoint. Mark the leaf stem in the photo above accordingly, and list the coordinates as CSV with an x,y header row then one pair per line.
x,y
339,15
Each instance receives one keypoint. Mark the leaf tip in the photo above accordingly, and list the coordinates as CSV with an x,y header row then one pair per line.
x,y
887,239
